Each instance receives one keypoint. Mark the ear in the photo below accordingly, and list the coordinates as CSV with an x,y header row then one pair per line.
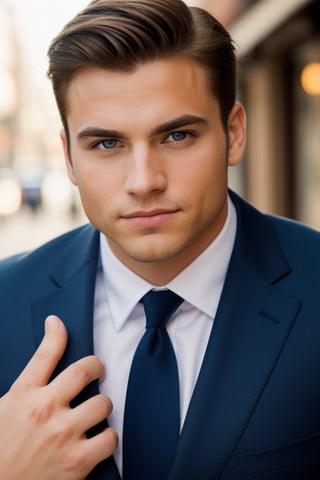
x,y
67,157
236,134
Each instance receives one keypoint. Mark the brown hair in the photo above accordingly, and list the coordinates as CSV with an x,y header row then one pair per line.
x,y
121,34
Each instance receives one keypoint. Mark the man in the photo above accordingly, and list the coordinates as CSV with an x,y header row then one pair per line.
x,y
146,93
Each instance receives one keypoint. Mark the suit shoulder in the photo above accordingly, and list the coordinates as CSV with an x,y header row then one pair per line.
x,y
299,244
42,253
299,241
287,228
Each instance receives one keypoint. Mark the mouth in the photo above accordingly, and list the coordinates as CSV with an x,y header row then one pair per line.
x,y
149,219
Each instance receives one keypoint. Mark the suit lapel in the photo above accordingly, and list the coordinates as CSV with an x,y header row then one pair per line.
x,y
71,296
253,321
72,299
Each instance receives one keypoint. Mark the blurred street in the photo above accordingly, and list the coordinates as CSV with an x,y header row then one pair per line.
x,y
27,230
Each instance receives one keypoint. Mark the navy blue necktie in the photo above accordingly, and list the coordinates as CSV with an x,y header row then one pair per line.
x,y
152,414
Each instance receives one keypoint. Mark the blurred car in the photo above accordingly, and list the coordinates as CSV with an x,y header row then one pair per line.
x,y
31,187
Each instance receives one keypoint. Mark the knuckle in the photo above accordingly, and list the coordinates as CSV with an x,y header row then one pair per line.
x,y
81,372
42,411
98,365
62,431
110,441
113,437
42,351
44,355
106,404
78,462
87,369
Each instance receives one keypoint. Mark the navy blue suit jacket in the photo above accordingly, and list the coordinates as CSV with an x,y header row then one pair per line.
x,y
255,412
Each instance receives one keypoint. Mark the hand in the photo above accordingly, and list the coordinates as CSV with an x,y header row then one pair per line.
x,y
41,437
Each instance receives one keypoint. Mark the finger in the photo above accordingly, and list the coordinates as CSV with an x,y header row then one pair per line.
x,y
89,452
91,412
75,378
41,366
101,446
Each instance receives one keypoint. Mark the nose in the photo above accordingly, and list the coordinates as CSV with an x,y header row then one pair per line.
x,y
146,173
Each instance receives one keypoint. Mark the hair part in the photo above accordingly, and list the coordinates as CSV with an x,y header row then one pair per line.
x,y
120,35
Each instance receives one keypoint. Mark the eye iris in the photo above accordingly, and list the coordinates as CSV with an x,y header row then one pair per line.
x,y
178,136
109,143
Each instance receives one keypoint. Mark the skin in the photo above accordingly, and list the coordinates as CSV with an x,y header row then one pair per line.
x,y
149,155
41,436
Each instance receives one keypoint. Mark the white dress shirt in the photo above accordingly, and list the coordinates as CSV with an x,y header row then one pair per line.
x,y
119,319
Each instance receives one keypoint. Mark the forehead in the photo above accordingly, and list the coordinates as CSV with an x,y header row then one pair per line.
x,y
152,92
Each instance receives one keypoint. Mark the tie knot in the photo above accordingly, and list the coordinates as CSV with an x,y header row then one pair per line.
x,y
159,306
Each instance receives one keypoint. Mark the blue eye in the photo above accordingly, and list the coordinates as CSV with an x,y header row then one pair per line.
x,y
178,136
108,144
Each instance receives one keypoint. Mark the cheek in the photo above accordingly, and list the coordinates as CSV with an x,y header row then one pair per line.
x,y
209,187
207,175
95,193
94,180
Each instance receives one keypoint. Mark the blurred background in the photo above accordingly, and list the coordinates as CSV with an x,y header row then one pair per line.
x,y
278,46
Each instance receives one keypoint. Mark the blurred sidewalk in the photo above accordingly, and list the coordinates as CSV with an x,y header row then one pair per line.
x,y
27,230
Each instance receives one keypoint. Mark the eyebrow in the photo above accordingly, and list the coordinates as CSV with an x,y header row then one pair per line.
x,y
166,127
98,132
179,122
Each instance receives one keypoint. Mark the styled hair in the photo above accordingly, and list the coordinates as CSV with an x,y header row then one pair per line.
x,y
120,35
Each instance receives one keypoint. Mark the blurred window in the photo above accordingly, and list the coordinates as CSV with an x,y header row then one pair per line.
x,y
307,128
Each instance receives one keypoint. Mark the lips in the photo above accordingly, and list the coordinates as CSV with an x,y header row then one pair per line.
x,y
149,219
151,213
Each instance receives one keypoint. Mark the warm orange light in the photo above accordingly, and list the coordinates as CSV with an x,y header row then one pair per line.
x,y
310,78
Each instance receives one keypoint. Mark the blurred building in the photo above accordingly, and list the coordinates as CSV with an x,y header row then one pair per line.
x,y
31,157
278,44
8,85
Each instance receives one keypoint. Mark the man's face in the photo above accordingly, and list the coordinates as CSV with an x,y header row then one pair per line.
x,y
149,155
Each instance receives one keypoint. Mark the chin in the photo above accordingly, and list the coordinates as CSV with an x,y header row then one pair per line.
x,y
156,252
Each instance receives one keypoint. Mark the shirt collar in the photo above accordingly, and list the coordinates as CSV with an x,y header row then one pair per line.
x,y
209,269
